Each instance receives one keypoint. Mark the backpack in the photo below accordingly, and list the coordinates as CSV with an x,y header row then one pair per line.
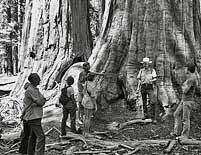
x,y
64,99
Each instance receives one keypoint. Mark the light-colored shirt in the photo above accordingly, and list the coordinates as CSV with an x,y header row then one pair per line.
x,y
33,103
89,93
146,75
188,88
81,81
70,91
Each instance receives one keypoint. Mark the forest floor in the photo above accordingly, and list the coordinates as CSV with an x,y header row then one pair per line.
x,y
127,135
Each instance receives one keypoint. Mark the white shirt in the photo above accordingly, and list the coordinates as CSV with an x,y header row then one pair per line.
x,y
146,75
70,91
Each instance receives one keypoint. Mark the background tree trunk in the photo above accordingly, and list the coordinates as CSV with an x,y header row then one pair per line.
x,y
10,31
165,31
82,41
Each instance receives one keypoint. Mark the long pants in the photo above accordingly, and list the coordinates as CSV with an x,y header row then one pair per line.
x,y
25,135
36,140
87,119
66,112
185,107
147,90
36,132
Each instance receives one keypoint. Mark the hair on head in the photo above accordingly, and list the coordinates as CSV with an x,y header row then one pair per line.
x,y
70,80
90,76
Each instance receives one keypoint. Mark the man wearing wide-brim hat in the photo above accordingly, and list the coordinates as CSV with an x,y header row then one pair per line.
x,y
147,78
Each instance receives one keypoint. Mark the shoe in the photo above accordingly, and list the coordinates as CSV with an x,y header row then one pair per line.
x,y
154,121
161,114
62,136
174,135
182,138
80,131
76,132
80,122
145,117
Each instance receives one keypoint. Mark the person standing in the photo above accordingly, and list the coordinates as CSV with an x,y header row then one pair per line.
x,y
81,81
32,115
89,102
69,107
147,79
26,131
186,104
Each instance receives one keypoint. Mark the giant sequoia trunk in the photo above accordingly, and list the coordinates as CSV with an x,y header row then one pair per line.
x,y
166,31
47,46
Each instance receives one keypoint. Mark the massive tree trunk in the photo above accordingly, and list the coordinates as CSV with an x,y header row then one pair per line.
x,y
47,33
166,31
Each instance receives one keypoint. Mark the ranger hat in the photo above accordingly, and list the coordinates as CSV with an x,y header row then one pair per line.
x,y
146,60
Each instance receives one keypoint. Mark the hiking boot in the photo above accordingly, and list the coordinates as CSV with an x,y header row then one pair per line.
x,y
75,131
154,121
182,138
62,136
174,135
145,117
80,122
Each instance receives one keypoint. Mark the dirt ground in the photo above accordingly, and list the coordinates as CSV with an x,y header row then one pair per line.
x,y
119,114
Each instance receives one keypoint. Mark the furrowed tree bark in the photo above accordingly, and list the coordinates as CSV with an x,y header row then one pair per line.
x,y
165,31
47,32
82,43
161,30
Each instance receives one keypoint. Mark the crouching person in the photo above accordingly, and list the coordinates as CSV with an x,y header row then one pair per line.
x,y
89,102
186,105
69,106
32,115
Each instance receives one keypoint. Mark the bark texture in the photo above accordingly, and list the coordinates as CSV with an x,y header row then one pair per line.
x,y
48,36
166,31
82,43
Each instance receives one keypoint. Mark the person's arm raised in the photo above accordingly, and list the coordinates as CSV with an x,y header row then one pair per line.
x,y
99,73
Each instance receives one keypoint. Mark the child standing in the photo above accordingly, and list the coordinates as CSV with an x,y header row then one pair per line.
x,y
69,107
89,102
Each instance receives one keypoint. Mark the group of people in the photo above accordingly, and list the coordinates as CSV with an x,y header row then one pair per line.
x,y
147,87
86,101
33,137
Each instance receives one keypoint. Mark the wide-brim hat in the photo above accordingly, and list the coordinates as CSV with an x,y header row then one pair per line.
x,y
146,60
